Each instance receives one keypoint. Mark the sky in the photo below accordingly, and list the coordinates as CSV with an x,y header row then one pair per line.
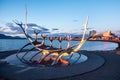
x,y
63,15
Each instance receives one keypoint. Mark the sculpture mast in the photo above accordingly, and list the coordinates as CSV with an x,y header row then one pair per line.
x,y
26,27
83,40
85,28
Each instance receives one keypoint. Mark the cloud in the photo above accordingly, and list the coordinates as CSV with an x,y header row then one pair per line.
x,y
33,25
55,29
87,28
75,20
10,28
45,29
13,28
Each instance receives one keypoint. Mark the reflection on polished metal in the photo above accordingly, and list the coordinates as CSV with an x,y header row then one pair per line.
x,y
49,54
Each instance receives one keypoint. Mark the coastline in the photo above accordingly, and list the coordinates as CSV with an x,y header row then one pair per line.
x,y
109,71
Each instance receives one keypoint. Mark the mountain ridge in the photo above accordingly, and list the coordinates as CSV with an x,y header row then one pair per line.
x,y
2,36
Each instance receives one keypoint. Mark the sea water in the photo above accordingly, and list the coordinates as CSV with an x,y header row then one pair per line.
x,y
15,44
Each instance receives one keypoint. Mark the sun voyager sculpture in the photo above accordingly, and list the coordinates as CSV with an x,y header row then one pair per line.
x,y
48,54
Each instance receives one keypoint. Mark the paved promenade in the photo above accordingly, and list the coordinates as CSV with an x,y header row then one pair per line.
x,y
109,71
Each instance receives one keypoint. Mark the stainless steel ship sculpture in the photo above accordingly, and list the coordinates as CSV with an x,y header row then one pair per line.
x,y
49,54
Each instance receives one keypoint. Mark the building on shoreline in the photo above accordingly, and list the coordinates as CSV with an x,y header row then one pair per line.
x,y
107,35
